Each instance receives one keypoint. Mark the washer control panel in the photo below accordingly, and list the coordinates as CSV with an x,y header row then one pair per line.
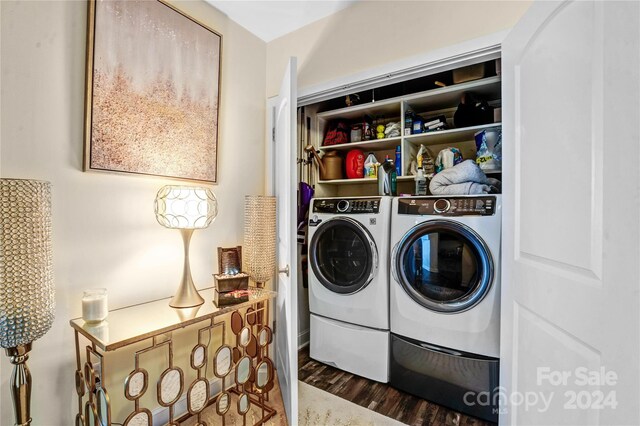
x,y
448,206
346,205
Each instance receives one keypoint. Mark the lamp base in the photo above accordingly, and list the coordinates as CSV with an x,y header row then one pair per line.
x,y
188,299
20,383
187,295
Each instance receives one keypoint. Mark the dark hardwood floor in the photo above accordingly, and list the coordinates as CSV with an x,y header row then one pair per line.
x,y
379,397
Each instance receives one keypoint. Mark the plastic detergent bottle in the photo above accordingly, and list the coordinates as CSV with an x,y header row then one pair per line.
x,y
371,166
398,161
387,178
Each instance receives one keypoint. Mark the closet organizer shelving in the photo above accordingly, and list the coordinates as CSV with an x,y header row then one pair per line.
x,y
440,101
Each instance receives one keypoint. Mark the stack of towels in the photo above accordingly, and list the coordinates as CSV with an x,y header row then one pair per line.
x,y
465,178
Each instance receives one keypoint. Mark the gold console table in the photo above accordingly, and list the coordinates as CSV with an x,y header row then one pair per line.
x,y
243,365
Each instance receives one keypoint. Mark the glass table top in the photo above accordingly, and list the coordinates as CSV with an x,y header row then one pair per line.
x,y
139,322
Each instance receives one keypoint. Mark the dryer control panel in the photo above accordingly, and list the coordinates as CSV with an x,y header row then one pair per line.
x,y
448,206
346,205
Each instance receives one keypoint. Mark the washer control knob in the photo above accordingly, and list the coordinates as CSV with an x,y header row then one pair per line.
x,y
442,205
342,206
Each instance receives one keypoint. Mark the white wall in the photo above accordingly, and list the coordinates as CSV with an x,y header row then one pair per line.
x,y
372,33
105,232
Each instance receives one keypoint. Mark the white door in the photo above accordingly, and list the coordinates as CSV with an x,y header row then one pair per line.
x,y
284,160
570,301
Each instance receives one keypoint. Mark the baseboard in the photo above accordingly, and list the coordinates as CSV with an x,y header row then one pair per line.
x,y
161,414
303,339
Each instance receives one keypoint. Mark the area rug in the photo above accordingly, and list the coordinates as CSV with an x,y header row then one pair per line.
x,y
317,407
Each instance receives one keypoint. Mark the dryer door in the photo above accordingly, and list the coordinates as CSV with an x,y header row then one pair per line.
x,y
443,265
343,255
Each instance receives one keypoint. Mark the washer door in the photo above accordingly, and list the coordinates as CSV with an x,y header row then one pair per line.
x,y
444,266
343,255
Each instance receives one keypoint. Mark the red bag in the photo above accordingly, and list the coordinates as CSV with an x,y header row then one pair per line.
x,y
336,134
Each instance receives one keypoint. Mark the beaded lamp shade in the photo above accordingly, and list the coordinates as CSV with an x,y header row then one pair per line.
x,y
260,236
27,301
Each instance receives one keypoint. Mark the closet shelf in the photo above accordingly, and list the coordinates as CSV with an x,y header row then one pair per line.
x,y
388,107
362,181
374,144
349,181
441,137
451,136
487,88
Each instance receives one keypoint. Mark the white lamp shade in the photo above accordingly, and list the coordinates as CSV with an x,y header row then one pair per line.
x,y
185,207
27,303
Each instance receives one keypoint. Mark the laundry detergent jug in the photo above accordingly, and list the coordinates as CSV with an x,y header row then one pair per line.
x,y
371,166
355,164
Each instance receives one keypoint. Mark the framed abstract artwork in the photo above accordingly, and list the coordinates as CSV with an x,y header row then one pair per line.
x,y
152,91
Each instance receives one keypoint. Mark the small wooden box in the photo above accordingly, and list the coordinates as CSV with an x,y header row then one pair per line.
x,y
468,73
231,289
226,283
230,297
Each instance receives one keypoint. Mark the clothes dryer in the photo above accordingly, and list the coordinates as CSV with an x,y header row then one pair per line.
x,y
349,284
445,298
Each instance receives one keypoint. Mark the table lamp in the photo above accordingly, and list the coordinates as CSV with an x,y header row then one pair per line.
x,y
27,302
186,208
260,237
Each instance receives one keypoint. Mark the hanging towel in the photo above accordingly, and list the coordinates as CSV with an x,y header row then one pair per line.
x,y
465,178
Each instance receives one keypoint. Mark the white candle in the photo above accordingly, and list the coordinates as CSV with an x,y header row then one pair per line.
x,y
94,305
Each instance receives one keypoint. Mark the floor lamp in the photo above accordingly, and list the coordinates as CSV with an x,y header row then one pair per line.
x,y
27,301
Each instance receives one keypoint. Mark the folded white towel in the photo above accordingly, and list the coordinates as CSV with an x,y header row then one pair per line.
x,y
463,179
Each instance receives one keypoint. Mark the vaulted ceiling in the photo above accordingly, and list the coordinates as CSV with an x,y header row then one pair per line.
x,y
269,19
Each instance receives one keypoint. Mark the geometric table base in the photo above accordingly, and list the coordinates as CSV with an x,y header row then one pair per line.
x,y
242,365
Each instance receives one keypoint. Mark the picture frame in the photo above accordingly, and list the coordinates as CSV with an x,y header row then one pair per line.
x,y
152,91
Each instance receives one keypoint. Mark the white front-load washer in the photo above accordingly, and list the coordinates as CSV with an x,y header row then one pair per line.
x,y
349,284
445,298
